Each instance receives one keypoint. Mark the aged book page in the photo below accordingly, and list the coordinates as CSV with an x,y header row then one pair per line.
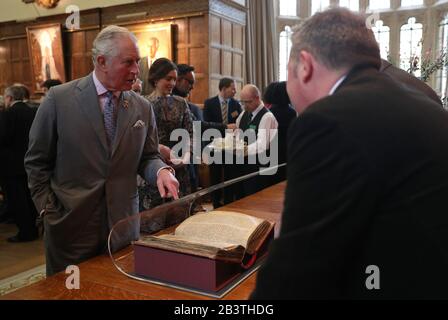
x,y
217,235
219,227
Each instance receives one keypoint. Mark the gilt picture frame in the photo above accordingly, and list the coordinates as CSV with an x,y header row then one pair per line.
x,y
46,54
155,40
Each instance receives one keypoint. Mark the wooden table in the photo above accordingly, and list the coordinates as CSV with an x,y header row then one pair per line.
x,y
100,280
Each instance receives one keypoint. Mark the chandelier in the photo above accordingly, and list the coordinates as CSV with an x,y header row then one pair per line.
x,y
44,3
48,3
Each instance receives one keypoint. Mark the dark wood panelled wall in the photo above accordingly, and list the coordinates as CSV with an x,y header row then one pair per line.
x,y
209,35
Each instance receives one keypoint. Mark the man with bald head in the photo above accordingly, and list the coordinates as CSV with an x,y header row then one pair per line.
x,y
89,140
257,120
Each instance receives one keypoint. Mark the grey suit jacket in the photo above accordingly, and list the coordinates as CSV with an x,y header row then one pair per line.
x,y
72,172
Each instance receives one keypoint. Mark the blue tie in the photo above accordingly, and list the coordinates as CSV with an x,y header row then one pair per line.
x,y
109,121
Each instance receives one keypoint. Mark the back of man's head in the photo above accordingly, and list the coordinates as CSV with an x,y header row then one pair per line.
x,y
338,39
24,88
16,93
276,94
51,83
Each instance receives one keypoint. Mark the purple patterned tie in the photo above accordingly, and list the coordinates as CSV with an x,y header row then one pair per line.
x,y
109,121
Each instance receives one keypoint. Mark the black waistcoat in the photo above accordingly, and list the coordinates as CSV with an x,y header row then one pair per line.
x,y
246,124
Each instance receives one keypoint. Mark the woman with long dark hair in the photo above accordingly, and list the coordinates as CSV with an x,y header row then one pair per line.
x,y
171,113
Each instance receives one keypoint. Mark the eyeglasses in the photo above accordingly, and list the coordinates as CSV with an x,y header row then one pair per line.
x,y
246,101
190,82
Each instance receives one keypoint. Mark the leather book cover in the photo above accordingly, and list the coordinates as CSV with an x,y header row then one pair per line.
x,y
189,270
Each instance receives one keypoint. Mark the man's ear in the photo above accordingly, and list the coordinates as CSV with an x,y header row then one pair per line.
x,y
101,61
306,66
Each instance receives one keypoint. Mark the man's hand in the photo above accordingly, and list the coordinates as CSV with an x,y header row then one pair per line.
x,y
231,126
167,184
165,152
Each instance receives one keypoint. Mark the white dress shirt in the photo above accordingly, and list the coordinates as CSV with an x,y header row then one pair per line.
x,y
265,133
337,84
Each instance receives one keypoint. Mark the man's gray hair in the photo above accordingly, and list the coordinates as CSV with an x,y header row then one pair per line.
x,y
15,92
337,38
105,42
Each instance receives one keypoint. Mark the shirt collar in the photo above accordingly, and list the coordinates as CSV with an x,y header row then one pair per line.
x,y
100,89
221,99
13,103
261,106
337,84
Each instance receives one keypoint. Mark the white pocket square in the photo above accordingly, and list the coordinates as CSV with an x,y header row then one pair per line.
x,y
139,124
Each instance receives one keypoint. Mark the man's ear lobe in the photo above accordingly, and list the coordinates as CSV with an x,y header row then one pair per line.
x,y
307,66
101,61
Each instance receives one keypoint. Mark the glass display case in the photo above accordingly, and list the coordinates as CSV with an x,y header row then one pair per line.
x,y
181,271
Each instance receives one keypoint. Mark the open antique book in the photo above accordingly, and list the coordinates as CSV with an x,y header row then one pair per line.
x,y
220,235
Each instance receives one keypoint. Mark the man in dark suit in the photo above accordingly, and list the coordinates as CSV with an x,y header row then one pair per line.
x,y
186,79
15,124
408,80
365,205
222,109
26,95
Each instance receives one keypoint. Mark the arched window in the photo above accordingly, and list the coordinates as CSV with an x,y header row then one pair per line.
x,y
319,5
379,4
284,51
442,75
382,33
350,4
411,46
409,3
288,7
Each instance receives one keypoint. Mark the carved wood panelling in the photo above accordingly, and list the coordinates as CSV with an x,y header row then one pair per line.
x,y
228,10
212,43
226,52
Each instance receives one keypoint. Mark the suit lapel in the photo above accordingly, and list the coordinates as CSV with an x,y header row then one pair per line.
x,y
88,101
125,115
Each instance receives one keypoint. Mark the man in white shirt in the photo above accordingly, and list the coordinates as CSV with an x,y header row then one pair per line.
x,y
258,122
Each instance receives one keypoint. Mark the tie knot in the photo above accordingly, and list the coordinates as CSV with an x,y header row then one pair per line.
x,y
109,98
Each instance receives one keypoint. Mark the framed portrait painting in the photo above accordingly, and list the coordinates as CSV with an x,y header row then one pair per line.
x,y
46,54
154,41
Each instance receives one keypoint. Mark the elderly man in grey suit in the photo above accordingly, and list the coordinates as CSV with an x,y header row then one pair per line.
x,y
89,140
